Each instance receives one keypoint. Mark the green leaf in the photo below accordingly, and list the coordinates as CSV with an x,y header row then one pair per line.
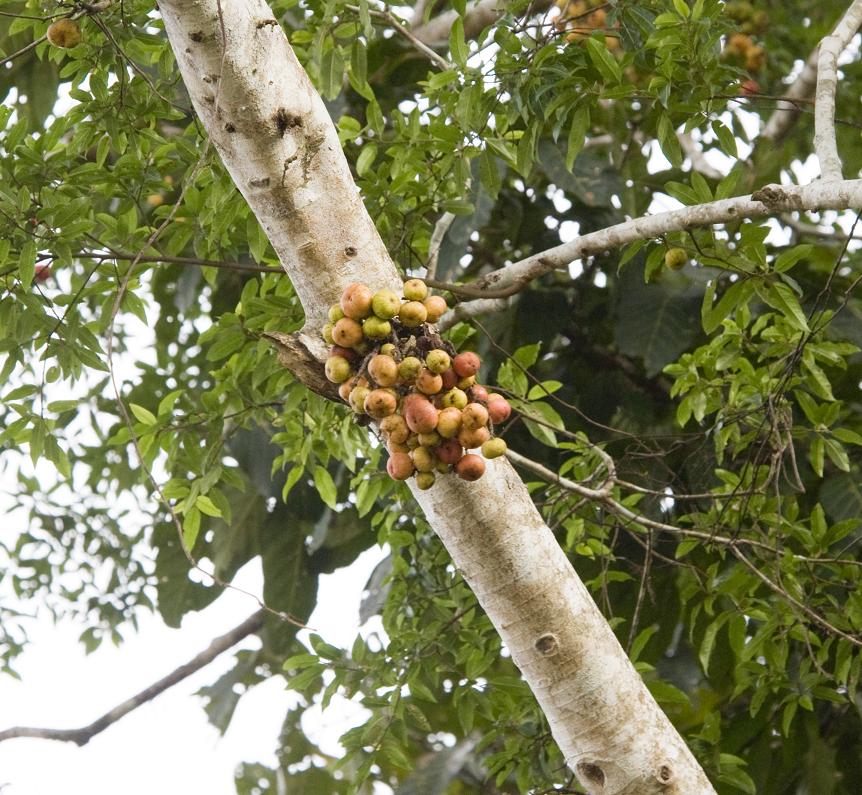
x,y
27,264
577,134
325,486
604,62
458,47
206,506
143,415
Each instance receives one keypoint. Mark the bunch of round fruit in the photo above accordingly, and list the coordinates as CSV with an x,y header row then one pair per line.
x,y
393,367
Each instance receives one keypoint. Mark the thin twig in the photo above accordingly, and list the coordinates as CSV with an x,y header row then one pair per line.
x,y
86,733
440,229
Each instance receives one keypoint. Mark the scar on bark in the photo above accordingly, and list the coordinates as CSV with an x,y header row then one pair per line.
x,y
284,121
591,773
547,645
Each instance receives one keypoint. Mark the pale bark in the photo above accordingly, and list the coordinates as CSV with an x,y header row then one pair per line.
x,y
825,143
480,15
837,195
297,182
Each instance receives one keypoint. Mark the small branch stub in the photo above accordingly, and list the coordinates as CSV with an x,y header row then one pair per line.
x,y
548,645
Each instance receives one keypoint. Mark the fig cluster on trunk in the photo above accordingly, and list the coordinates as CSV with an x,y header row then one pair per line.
x,y
393,367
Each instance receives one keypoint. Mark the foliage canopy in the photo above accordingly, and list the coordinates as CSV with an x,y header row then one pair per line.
x,y
726,391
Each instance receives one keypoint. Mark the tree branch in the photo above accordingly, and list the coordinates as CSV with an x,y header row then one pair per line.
x,y
840,195
825,144
86,733
480,14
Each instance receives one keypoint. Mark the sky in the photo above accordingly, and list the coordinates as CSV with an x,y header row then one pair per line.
x,y
167,745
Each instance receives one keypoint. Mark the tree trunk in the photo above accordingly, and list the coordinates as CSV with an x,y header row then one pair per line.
x,y
276,139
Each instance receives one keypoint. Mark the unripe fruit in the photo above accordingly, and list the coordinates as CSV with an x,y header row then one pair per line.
x,y
385,304
435,306
425,480
474,415
356,301
337,369
471,438
430,439
423,459
358,396
478,393
437,361
395,428
471,467
399,466
466,383
454,397
383,370
412,441
326,333
442,467
429,383
415,290
420,415
380,403
466,364
335,313
499,409
376,329
412,314
675,258
450,451
64,33
409,369
494,448
450,378
347,333
388,349
449,422
396,447
362,347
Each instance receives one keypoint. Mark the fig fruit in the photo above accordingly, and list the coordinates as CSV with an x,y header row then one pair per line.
x,y
337,369
347,333
494,448
356,301
466,364
471,467
412,314
436,307
399,466
415,290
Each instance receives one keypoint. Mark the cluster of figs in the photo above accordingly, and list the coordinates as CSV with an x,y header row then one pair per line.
x,y
393,368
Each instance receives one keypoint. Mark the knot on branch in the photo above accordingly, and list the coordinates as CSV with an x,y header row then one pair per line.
x,y
775,197
548,645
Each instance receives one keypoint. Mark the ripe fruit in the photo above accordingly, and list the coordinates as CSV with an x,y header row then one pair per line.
x,y
749,87
471,438
477,392
412,314
64,33
395,428
429,383
675,258
399,466
420,415
385,304
337,369
474,415
436,306
755,58
380,403
344,390
376,329
494,448
437,361
344,353
466,364
415,290
498,409
356,301
471,467
450,451
450,378
449,422
466,383
347,333
383,370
